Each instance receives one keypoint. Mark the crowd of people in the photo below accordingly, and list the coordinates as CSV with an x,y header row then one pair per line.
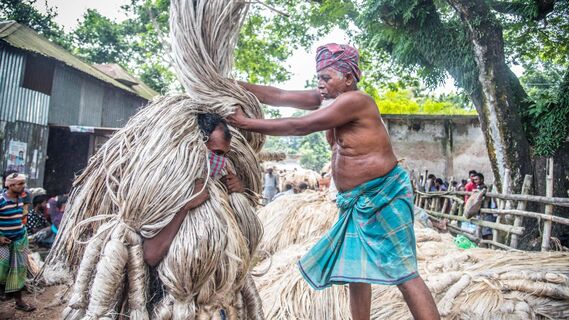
x,y
474,182
25,217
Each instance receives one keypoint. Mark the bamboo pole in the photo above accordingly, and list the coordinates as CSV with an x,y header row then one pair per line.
x,y
521,206
492,225
470,236
555,201
529,214
496,236
499,245
548,208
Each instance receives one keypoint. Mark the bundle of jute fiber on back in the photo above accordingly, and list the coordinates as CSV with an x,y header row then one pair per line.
x,y
136,183
466,284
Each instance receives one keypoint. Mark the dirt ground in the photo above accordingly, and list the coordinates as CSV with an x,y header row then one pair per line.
x,y
46,303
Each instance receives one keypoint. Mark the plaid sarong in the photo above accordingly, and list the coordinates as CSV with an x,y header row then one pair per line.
x,y
373,240
14,264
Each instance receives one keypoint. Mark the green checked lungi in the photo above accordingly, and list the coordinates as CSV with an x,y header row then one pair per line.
x,y
14,264
373,240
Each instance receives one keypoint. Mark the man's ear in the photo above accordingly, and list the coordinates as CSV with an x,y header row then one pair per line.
x,y
349,79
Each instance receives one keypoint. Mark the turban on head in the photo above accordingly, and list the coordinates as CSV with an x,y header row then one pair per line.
x,y
15,178
340,57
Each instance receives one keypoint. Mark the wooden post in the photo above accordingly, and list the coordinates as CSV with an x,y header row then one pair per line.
x,y
502,205
548,208
518,220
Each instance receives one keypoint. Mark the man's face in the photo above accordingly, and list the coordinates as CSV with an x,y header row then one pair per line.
x,y
476,180
472,177
217,142
270,170
17,187
332,83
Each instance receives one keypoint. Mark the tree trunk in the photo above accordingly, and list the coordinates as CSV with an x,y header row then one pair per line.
x,y
499,96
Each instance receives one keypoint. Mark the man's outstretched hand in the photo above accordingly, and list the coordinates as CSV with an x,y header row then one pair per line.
x,y
238,119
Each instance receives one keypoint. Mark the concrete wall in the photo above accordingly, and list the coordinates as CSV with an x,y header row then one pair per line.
x,y
447,146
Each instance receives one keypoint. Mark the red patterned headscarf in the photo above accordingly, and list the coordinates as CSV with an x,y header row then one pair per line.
x,y
340,57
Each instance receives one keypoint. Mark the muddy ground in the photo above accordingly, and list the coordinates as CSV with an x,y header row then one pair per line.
x,y
47,303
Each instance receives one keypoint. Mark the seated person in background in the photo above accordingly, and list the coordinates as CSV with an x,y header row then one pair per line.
x,y
36,216
57,215
479,181
288,190
462,185
440,185
470,186
454,185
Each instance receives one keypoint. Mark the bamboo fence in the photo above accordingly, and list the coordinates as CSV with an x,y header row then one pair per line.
x,y
510,211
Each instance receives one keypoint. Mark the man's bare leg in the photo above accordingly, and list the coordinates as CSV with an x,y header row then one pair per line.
x,y
419,299
360,300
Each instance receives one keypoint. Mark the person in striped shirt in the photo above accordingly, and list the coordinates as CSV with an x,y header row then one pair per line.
x,y
13,241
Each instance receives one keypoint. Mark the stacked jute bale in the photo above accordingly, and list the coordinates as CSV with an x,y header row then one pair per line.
x,y
298,176
271,156
466,284
135,184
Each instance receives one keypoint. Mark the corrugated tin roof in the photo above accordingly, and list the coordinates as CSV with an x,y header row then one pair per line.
x,y
24,38
116,72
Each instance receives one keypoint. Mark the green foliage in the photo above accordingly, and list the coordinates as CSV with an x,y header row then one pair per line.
x,y
531,39
100,40
547,118
314,152
24,12
404,102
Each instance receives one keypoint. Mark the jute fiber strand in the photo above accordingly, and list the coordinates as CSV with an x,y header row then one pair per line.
x,y
466,284
146,172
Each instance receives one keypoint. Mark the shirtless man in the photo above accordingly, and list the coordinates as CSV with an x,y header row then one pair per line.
x,y
373,240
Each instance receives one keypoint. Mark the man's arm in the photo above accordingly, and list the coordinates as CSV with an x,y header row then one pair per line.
x,y
155,249
300,99
344,109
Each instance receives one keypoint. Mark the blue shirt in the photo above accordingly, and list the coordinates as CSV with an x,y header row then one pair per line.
x,y
11,213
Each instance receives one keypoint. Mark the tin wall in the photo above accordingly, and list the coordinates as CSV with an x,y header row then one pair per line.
x,y
18,103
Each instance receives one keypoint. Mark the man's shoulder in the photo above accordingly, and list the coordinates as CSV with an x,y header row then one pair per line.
x,y
357,95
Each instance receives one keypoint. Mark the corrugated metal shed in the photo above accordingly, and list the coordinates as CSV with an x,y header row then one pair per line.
x,y
26,39
35,137
18,103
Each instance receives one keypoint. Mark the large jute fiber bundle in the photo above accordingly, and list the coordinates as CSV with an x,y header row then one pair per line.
x,y
466,284
292,219
135,184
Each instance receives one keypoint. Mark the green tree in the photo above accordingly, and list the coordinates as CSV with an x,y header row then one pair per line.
x,y
314,152
25,12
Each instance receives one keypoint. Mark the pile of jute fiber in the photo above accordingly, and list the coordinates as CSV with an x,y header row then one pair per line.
x,y
466,284
135,184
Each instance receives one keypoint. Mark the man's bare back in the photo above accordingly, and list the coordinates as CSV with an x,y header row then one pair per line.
x,y
361,150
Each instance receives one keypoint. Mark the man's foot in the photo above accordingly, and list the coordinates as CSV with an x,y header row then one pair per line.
x,y
25,307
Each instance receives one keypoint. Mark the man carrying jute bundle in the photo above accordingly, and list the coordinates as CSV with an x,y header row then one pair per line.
x,y
373,241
